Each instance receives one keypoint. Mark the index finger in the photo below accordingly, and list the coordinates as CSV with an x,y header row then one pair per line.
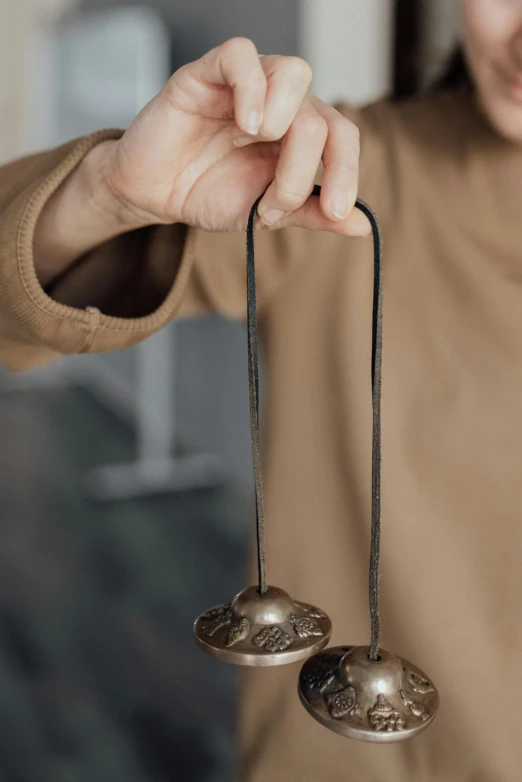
x,y
236,64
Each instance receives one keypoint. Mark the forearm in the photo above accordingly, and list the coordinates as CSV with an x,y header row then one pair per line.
x,y
82,214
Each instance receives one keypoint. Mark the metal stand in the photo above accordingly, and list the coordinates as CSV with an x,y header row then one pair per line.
x,y
156,469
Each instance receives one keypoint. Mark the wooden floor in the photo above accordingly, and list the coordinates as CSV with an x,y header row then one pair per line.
x,y
100,680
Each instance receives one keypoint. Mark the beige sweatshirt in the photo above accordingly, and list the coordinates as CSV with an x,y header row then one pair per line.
x,y
449,196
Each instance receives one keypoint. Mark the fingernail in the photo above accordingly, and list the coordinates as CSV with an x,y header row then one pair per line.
x,y
359,223
253,123
242,141
271,216
339,205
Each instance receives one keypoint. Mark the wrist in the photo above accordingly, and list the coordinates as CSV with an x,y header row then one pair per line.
x,y
82,214
104,197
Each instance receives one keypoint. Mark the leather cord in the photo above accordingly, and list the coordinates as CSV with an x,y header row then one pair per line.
x,y
253,392
375,538
376,373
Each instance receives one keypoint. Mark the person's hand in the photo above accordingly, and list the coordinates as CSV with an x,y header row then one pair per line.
x,y
222,130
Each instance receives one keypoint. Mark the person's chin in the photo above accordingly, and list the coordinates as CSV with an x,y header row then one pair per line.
x,y
505,115
509,123
502,103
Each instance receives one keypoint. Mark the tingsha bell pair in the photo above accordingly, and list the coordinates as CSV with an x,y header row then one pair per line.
x,y
363,692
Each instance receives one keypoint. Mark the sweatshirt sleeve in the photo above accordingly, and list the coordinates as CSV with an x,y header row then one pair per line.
x,y
112,298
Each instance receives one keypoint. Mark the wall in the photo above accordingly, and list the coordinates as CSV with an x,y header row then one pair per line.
x,y
440,33
347,42
21,72
349,45
199,25
15,21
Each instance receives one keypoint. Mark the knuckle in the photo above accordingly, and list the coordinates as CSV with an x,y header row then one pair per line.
x,y
354,129
271,133
254,82
239,45
253,77
347,171
347,134
353,132
178,77
298,69
314,127
289,199
345,125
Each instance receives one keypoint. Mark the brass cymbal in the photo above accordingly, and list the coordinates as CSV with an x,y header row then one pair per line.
x,y
385,700
262,629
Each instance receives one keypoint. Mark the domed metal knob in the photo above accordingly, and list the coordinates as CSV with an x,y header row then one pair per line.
x,y
267,628
385,700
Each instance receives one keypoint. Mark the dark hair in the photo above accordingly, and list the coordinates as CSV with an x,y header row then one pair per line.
x,y
456,73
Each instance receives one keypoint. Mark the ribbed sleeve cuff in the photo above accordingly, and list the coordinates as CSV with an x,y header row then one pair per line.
x,y
30,317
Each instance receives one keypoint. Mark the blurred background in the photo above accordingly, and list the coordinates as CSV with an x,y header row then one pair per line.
x,y
125,480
